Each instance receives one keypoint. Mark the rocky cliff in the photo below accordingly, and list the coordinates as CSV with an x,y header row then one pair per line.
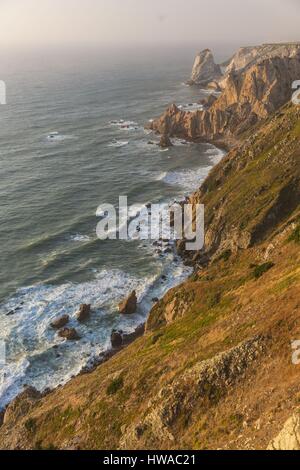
x,y
205,69
251,93
214,368
251,55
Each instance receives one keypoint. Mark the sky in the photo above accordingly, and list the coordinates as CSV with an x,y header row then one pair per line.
x,y
135,23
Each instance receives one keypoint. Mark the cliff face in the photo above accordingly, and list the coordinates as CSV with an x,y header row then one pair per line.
x,y
205,69
214,368
250,94
250,55
265,169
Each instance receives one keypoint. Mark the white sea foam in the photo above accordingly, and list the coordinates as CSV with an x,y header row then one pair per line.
x,y
187,179
215,154
125,125
80,238
190,107
56,137
179,142
161,176
37,356
135,209
192,179
31,357
118,143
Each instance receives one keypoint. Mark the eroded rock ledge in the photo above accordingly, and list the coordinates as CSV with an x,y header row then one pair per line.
x,y
202,385
289,437
256,83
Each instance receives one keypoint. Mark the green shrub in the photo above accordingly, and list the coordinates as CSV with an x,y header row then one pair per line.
x,y
225,255
30,425
156,338
295,236
262,269
115,386
213,299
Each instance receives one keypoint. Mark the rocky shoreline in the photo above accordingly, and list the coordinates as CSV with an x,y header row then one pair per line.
x,y
119,339
205,374
255,83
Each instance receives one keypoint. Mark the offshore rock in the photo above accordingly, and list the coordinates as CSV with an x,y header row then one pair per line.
x,y
60,322
129,305
205,69
84,312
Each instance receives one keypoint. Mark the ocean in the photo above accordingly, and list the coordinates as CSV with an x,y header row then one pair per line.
x,y
51,259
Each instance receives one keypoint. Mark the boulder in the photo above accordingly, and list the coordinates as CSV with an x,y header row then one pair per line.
x,y
69,333
129,305
60,322
116,339
84,312
165,141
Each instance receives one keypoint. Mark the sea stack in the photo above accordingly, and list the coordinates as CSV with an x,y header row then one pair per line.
x,y
129,305
205,69
165,141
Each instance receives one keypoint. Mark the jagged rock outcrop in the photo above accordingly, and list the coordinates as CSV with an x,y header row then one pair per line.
x,y
129,305
165,141
260,159
69,334
214,368
250,94
204,384
84,312
60,322
116,339
205,69
289,436
21,405
246,55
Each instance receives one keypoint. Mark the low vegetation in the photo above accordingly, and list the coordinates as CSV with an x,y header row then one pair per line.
x,y
221,325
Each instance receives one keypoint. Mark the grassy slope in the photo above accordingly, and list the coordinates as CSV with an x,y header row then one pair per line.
x,y
223,305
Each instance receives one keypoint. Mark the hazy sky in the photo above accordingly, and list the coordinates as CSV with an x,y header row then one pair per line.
x,y
143,22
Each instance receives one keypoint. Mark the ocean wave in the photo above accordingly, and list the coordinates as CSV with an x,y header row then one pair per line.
x,y
161,176
179,142
37,356
118,143
187,179
215,154
192,179
31,342
58,138
125,125
80,238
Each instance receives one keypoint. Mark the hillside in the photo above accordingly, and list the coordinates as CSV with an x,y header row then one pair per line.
x,y
214,368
